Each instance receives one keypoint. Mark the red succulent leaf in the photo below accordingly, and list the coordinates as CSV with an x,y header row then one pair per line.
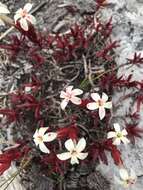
x,y
116,155
68,132
104,29
69,45
28,102
104,53
4,167
11,155
98,152
137,59
30,34
11,114
99,149
109,81
101,3
36,57
134,116
134,131
15,46
139,100
52,161
84,103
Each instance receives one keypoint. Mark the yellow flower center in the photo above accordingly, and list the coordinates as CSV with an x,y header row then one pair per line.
x,y
129,182
40,138
74,153
68,96
24,13
119,135
100,102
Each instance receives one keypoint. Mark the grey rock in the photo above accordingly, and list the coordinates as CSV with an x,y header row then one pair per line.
x,y
128,25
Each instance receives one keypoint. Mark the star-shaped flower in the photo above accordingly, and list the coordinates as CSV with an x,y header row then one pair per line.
x,y
24,17
74,151
70,95
118,135
100,103
126,179
40,137
3,10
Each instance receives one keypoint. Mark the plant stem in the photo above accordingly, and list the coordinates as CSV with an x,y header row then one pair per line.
x,y
6,32
7,20
86,82
15,174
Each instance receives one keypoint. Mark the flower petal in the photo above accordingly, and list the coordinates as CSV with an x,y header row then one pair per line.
x,y
70,145
43,148
74,160
36,133
118,180
124,174
19,11
76,92
76,100
104,97
81,145
117,127
101,112
64,104
49,137
63,94
69,89
42,131
133,174
82,156
17,17
108,105
111,134
64,156
92,106
23,24
4,9
125,140
36,141
31,19
95,96
117,141
28,7
124,132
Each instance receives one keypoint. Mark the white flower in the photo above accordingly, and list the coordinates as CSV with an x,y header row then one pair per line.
x,y
40,137
70,95
3,10
24,17
118,135
100,103
125,179
27,89
75,151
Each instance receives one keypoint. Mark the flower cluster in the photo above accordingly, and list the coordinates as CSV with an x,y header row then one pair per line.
x,y
100,103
